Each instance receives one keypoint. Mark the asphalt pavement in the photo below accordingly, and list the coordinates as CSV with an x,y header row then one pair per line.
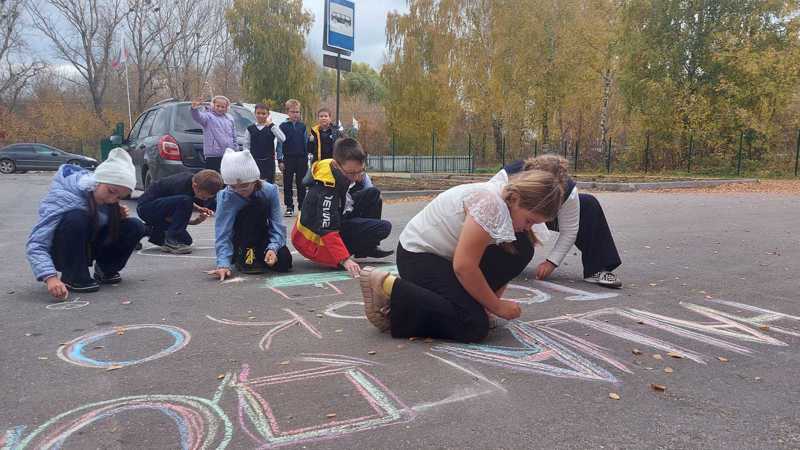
x,y
700,347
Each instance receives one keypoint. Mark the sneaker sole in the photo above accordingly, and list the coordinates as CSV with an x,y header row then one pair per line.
x,y
606,285
380,321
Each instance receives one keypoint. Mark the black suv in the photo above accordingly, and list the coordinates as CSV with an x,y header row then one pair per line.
x,y
165,140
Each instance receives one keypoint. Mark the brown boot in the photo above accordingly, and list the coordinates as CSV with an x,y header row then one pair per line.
x,y
376,302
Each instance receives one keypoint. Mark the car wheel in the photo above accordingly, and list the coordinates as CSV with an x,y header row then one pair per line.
x,y
7,166
74,162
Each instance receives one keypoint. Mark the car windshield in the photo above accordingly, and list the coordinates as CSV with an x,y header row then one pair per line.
x,y
242,118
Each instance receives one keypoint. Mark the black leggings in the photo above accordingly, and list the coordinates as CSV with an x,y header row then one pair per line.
x,y
429,301
594,240
251,237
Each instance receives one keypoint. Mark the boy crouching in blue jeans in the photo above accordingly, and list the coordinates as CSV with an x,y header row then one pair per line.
x,y
167,205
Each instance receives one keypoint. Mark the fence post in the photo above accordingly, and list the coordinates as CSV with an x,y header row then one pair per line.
x,y
469,152
646,151
394,154
691,144
503,152
608,158
535,148
797,153
739,157
577,142
566,145
433,151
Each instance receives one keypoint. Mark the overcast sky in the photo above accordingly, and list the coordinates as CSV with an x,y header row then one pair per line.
x,y
370,31
370,28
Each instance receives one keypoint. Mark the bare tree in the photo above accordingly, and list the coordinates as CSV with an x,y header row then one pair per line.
x,y
151,44
15,70
192,42
85,41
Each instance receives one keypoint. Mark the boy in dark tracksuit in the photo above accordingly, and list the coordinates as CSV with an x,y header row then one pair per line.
x,y
262,142
167,205
335,226
322,136
292,156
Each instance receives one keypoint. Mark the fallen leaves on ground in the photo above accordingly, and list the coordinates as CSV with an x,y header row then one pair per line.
x,y
636,352
657,356
722,359
658,387
675,355
668,370
114,367
775,187
613,396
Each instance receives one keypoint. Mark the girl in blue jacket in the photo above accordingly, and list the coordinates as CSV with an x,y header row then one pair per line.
x,y
249,229
80,222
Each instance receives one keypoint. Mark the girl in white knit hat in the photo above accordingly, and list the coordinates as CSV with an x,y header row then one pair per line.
x,y
249,228
80,222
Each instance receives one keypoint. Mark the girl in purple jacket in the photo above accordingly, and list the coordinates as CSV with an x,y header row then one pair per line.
x,y
219,131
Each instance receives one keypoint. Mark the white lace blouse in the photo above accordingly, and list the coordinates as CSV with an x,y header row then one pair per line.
x,y
437,227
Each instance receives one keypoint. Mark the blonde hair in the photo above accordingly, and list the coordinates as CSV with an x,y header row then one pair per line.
x,y
536,191
221,97
554,164
291,102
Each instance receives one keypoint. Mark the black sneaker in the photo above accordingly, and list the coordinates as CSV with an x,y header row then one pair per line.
x,y
376,252
81,287
106,278
176,248
605,279
289,212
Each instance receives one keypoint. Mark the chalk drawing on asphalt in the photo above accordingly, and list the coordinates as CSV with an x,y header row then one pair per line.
x,y
74,351
529,297
66,306
258,420
276,327
333,310
200,423
578,295
537,346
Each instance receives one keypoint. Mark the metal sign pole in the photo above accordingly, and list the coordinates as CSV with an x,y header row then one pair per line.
x,y
338,76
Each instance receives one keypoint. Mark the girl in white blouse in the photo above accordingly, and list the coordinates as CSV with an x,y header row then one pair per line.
x,y
456,256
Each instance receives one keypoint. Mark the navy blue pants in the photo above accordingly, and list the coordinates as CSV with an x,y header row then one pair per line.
x,y
598,251
74,250
168,217
362,228
294,170
428,300
266,169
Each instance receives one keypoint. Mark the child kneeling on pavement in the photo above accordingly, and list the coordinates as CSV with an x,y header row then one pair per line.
x,y
338,222
167,205
249,225
80,222
456,257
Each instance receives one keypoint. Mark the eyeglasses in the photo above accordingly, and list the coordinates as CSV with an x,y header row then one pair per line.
x,y
354,174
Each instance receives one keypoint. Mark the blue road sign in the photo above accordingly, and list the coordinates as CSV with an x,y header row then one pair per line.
x,y
339,25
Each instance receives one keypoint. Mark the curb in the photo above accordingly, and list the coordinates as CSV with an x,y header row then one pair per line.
x,y
632,187
602,186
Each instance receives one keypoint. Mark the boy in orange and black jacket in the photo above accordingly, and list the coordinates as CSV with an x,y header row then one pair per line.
x,y
337,223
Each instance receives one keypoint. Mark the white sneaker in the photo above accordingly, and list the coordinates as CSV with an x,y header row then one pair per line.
x,y
607,279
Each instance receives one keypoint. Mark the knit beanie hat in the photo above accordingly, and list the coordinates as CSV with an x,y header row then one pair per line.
x,y
238,167
117,169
